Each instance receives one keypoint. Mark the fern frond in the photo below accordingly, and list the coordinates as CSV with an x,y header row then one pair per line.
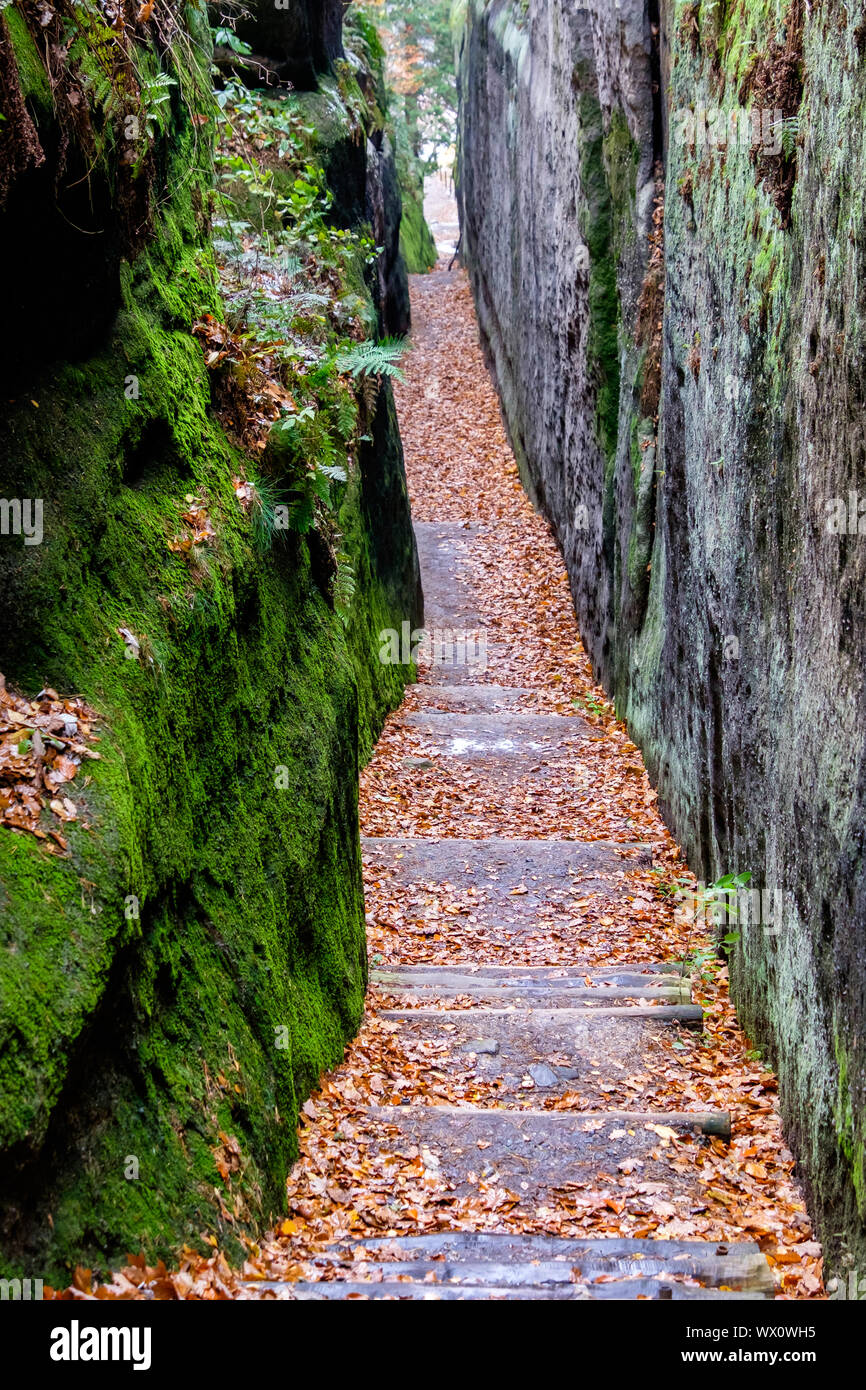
x,y
345,585
373,358
347,417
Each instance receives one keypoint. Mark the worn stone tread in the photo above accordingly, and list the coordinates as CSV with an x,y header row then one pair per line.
x,y
716,1122
449,598
690,1015
554,873
625,1289
531,1154
556,1051
543,1266
517,737
442,983
470,699
507,858
737,1264
540,974
508,1273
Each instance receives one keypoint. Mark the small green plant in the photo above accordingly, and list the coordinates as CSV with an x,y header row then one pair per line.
x,y
344,588
155,110
716,895
313,475
787,131
715,903
265,503
373,359
668,887
225,37
703,961
353,98
589,705
720,906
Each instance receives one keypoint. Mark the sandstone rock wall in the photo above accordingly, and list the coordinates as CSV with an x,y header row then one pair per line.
x,y
688,408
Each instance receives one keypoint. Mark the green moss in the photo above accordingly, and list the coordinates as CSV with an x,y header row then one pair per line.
x,y
849,1133
635,453
416,239
32,77
621,158
597,226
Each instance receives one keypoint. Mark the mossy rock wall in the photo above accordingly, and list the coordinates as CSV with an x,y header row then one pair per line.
x,y
171,987
416,239
694,431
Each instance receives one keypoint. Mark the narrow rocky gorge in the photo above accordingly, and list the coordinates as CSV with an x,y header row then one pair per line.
x,y
432,705
549,1097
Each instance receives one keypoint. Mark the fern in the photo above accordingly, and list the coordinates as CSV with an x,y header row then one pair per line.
x,y
302,514
277,316
333,472
154,94
347,417
787,130
102,94
373,359
370,395
325,449
345,585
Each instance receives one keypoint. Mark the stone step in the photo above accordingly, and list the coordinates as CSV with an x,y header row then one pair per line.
x,y
535,1262
450,600
624,973
712,1122
516,741
600,1058
468,699
541,866
624,1290
539,992
449,587
510,887
689,1015
541,1259
533,1154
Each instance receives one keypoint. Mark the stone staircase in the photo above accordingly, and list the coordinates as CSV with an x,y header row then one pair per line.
x,y
528,1034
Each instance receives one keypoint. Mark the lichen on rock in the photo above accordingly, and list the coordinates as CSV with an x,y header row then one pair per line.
x,y
692,427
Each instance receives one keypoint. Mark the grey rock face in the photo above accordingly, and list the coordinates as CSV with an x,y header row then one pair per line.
x,y
305,35
694,429
384,207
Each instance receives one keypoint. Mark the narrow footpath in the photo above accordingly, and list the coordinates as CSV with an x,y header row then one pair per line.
x,y
544,1101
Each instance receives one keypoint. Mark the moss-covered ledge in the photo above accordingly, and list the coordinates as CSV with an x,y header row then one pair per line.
x,y
173,984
